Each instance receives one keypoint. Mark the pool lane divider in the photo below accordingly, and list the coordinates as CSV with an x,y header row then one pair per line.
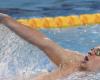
x,y
62,21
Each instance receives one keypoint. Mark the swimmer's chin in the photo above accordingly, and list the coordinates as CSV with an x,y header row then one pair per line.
x,y
85,67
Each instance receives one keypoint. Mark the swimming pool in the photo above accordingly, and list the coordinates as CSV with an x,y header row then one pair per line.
x,y
19,59
41,8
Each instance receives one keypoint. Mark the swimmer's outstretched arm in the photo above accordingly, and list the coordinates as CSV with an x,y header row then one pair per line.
x,y
56,53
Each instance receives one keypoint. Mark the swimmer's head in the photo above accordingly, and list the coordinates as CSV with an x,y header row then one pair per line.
x,y
92,61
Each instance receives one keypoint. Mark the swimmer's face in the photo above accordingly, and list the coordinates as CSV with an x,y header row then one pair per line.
x,y
93,60
93,63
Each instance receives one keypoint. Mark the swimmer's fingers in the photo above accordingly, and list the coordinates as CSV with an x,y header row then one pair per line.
x,y
2,17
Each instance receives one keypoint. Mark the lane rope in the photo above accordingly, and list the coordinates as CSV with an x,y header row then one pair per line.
x,y
62,21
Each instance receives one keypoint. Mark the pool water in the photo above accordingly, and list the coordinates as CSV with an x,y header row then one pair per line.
x,y
41,8
20,60
80,39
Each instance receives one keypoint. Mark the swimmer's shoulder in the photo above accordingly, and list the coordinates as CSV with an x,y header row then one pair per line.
x,y
72,56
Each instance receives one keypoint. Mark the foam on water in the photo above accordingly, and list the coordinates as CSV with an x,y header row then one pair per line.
x,y
18,58
83,76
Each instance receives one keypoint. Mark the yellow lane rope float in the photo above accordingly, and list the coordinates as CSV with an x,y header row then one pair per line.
x,y
62,21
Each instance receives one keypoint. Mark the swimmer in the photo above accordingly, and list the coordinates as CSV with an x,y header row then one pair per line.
x,y
67,61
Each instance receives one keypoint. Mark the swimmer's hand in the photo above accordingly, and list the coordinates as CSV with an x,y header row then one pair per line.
x,y
3,18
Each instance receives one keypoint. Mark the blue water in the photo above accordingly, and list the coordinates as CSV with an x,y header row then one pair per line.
x,y
38,8
80,39
19,59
